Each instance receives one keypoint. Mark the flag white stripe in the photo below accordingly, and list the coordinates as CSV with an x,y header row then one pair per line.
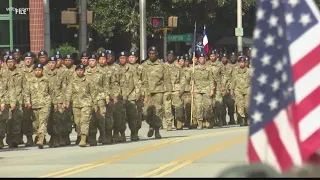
x,y
205,40
309,124
307,83
302,46
287,136
263,149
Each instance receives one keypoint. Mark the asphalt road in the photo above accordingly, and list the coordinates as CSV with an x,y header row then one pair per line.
x,y
185,153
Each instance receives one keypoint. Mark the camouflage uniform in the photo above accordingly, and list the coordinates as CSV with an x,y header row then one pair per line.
x,y
155,82
203,84
98,120
15,115
37,93
80,93
240,87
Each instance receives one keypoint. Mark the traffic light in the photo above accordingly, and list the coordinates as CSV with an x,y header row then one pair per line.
x,y
157,22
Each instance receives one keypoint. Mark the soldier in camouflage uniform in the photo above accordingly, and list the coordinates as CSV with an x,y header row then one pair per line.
x,y
67,120
15,116
7,96
27,70
37,97
136,71
215,67
56,81
240,88
178,84
84,58
93,73
155,82
226,72
42,57
80,93
17,56
203,91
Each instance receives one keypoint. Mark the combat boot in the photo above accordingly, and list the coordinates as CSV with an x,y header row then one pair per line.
x,y
21,139
51,141
169,127
78,140
35,140
66,138
179,125
40,141
83,142
157,134
150,132
8,139
1,142
241,121
123,137
103,138
56,141
134,136
232,121
62,141
29,141
116,137
93,139
200,125
108,137
14,141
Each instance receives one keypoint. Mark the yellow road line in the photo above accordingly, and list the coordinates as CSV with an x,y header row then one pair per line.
x,y
190,158
126,155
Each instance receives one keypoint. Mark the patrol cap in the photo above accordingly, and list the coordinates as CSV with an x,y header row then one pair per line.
x,y
110,52
123,53
38,66
58,53
80,66
241,59
42,53
171,52
6,52
58,56
246,59
224,55
11,58
213,52
28,54
93,56
132,53
103,54
83,54
180,58
201,55
68,56
240,54
52,58
152,48
186,56
15,50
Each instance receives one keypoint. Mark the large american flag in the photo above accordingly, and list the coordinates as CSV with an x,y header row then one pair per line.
x,y
285,84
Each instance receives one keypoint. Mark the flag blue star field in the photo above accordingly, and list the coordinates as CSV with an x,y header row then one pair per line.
x,y
285,84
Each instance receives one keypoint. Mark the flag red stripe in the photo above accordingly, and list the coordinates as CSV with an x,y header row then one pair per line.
x,y
305,64
278,147
253,156
309,146
307,105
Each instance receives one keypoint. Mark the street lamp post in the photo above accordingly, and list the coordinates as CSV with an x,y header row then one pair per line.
x,y
143,29
239,25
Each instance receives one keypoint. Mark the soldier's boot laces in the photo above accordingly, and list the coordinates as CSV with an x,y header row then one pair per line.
x,y
21,139
40,141
78,140
83,141
29,141
62,141
123,137
157,134
103,138
116,137
67,139
56,141
179,125
169,127
108,137
14,141
200,125
150,132
1,142
93,139
134,135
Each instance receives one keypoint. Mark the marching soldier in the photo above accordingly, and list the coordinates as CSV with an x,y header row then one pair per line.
x,y
56,80
240,87
37,97
203,91
228,101
28,74
15,116
215,67
5,55
84,59
17,56
93,73
156,81
42,57
80,93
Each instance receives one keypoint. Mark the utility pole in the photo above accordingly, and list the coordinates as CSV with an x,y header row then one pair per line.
x,y
46,10
143,29
165,43
239,25
83,38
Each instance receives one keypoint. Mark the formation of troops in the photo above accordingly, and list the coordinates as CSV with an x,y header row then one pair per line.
x,y
41,94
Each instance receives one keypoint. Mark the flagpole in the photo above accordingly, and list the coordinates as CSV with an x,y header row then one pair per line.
x,y
192,81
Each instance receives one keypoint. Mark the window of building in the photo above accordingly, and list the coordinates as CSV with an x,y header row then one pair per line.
x,y
4,6
4,32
